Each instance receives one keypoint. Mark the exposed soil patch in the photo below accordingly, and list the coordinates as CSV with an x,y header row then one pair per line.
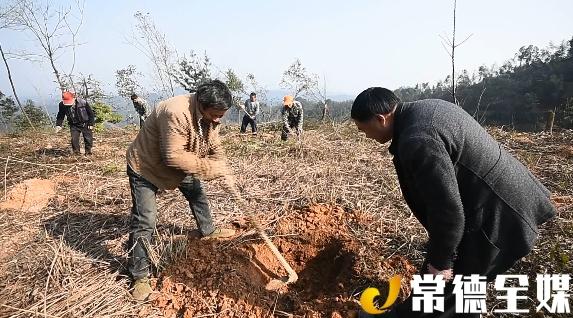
x,y
31,195
316,242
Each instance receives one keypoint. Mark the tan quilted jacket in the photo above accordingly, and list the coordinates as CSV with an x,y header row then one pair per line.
x,y
174,143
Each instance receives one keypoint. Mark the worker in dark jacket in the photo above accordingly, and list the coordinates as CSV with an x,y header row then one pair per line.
x,y
141,108
480,206
252,109
81,120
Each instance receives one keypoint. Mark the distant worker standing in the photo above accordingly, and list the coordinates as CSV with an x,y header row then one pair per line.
x,y
292,117
140,106
81,119
252,109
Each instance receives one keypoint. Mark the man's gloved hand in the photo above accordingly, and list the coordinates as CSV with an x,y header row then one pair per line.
x,y
91,127
57,129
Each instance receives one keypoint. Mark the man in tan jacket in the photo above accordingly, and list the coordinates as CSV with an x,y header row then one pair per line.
x,y
178,146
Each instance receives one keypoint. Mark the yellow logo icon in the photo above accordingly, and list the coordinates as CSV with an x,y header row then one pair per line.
x,y
367,299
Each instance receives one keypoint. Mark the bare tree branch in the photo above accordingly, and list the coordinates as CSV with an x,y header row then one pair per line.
x,y
149,40
450,47
8,17
446,44
14,89
74,32
479,102
53,31
469,36
298,81
31,57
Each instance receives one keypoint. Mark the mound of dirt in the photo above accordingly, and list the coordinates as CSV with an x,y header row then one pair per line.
x,y
31,195
229,278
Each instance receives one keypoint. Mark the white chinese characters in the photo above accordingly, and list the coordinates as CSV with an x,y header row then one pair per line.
x,y
429,291
470,292
553,287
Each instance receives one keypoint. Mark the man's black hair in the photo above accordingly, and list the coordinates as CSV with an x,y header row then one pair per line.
x,y
253,94
214,94
373,101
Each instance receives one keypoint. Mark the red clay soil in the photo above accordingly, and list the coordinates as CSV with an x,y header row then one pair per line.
x,y
229,278
30,195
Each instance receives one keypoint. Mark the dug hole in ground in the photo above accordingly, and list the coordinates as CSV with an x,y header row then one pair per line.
x,y
229,277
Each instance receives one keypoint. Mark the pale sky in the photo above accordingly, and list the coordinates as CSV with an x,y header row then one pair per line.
x,y
353,44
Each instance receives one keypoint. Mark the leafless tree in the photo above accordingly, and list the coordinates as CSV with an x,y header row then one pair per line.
x,y
7,16
8,20
297,80
148,39
14,88
450,47
56,30
253,86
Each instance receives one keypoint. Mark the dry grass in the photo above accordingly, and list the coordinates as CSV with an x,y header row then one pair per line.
x,y
68,260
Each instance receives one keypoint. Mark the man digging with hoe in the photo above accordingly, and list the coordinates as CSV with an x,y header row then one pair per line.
x,y
179,146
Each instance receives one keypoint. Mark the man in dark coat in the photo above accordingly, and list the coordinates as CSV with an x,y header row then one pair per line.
x,y
480,206
141,108
81,119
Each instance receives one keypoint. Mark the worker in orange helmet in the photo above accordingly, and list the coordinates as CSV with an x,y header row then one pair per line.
x,y
293,114
81,119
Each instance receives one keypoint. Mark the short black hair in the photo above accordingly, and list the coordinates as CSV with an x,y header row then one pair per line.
x,y
214,94
373,101
133,96
253,94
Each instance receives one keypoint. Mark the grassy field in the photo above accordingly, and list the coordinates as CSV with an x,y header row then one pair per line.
x,y
65,256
